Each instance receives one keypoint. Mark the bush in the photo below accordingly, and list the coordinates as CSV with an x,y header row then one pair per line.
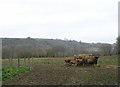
x,y
11,72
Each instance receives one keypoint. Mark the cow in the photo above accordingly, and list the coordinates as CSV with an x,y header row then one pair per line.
x,y
67,60
87,59
96,59
71,61
80,62
83,60
92,60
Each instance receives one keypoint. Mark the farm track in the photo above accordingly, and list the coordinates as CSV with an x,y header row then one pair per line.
x,y
67,75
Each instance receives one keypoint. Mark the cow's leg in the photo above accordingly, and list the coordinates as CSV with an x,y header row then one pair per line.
x,y
85,63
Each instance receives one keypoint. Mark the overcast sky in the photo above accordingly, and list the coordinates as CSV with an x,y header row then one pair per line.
x,y
81,20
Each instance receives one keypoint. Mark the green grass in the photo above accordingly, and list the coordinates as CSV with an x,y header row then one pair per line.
x,y
108,60
49,62
5,62
9,73
102,61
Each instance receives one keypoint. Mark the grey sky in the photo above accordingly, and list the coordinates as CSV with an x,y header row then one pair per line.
x,y
81,20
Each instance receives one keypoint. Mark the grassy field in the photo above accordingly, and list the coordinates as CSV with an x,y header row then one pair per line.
x,y
53,71
108,60
102,61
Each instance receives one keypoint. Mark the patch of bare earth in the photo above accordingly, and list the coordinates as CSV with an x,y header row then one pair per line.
x,y
112,66
65,75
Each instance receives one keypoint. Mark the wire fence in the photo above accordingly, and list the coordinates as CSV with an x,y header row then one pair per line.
x,y
18,62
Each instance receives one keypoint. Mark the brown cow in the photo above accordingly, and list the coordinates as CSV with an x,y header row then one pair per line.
x,y
88,59
71,61
67,60
83,60
92,60
80,62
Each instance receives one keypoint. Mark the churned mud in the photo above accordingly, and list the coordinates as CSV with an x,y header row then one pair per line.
x,y
67,75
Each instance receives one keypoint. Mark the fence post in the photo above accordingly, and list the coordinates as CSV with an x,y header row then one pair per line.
x,y
18,62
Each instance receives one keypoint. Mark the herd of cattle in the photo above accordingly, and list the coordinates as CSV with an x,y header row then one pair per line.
x,y
83,60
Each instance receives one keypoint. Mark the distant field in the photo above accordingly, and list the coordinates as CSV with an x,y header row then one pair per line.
x,y
102,61
108,60
53,71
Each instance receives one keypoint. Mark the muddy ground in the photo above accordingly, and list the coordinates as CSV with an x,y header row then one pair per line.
x,y
67,75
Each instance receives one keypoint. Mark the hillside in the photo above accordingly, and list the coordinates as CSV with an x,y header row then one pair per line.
x,y
46,47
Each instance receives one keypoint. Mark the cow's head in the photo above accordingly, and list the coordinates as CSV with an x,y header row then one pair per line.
x,y
96,57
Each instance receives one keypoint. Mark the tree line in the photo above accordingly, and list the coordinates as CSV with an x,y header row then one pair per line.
x,y
28,48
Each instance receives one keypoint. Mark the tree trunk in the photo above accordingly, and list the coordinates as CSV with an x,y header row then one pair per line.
x,y
25,62
18,62
29,63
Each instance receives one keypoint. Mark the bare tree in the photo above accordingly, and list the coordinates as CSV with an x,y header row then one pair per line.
x,y
106,49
